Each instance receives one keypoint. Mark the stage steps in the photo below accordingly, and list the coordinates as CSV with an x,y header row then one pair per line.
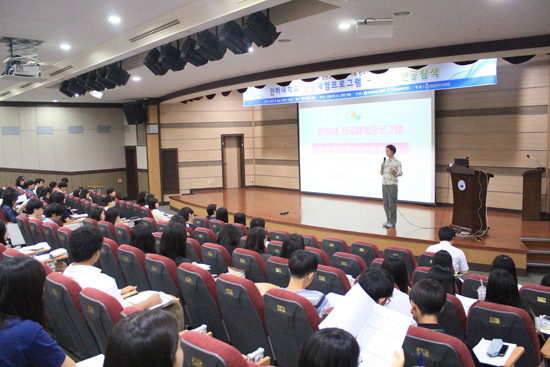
x,y
538,258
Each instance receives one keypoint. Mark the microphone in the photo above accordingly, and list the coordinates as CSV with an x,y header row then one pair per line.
x,y
384,159
540,167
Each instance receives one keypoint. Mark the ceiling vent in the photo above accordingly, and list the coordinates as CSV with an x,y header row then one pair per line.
x,y
5,94
154,31
57,72
27,85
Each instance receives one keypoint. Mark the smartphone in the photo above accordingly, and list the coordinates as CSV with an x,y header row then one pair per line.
x,y
503,351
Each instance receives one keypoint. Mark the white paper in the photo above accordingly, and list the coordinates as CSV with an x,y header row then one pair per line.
x,y
96,361
378,330
37,247
16,237
204,266
400,303
21,199
480,351
142,296
334,298
544,323
467,302
73,226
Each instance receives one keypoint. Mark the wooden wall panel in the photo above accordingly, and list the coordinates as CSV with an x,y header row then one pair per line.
x,y
499,123
491,99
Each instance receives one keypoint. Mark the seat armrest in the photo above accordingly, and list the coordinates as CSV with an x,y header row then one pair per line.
x,y
516,353
545,350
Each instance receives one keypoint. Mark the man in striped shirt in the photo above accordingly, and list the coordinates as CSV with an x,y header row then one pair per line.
x,y
390,170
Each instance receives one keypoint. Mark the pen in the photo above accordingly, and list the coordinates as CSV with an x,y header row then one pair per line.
x,y
420,360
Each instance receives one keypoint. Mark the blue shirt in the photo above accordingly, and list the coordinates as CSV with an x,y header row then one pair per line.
x,y
26,343
10,213
318,299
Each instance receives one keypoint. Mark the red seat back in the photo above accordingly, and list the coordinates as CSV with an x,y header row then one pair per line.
x,y
348,263
252,263
320,255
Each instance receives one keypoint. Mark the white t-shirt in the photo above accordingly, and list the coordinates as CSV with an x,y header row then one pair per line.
x,y
159,216
459,259
90,276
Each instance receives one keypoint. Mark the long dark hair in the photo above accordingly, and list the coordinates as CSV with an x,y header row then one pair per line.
x,y
145,339
221,214
143,239
173,242
3,230
22,290
444,276
111,215
292,243
255,240
18,181
503,289
228,237
398,270
96,214
141,198
505,262
328,348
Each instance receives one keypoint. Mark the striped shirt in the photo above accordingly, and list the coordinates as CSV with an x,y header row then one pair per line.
x,y
388,177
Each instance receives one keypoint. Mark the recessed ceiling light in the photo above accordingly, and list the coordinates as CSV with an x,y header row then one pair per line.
x,y
114,19
77,95
136,78
344,26
402,13
65,46
55,100
251,49
285,40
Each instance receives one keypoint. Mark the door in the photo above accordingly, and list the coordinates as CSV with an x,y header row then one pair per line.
x,y
170,172
132,185
233,161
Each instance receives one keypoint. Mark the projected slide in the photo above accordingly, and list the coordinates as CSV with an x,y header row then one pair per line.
x,y
342,145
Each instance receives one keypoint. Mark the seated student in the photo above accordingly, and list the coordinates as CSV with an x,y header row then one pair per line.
x,y
53,186
444,259
188,214
229,238
141,198
397,268
148,199
545,280
85,245
145,339
157,214
177,219
378,284
76,193
111,192
333,347
302,267
62,186
173,243
29,187
290,244
109,202
221,214
38,182
98,214
240,218
444,276
4,233
8,205
112,215
502,288
65,179
427,300
143,239
59,198
211,211
20,182
257,222
505,262
85,195
255,241
35,209
45,194
23,338
446,236
53,213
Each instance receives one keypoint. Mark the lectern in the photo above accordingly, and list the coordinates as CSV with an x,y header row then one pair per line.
x,y
469,197
532,184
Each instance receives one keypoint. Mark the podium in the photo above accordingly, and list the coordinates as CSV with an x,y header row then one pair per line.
x,y
469,197
532,185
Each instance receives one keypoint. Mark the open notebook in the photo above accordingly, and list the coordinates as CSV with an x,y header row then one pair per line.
x,y
142,296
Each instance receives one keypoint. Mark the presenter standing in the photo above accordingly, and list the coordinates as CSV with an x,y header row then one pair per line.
x,y
390,170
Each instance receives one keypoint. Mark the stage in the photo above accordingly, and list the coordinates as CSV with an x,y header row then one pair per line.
x,y
361,220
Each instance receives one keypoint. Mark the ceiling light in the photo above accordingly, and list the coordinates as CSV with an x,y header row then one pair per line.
x,y
65,46
96,94
402,13
344,26
209,46
189,54
55,100
77,95
250,49
232,37
114,19
260,30
136,78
